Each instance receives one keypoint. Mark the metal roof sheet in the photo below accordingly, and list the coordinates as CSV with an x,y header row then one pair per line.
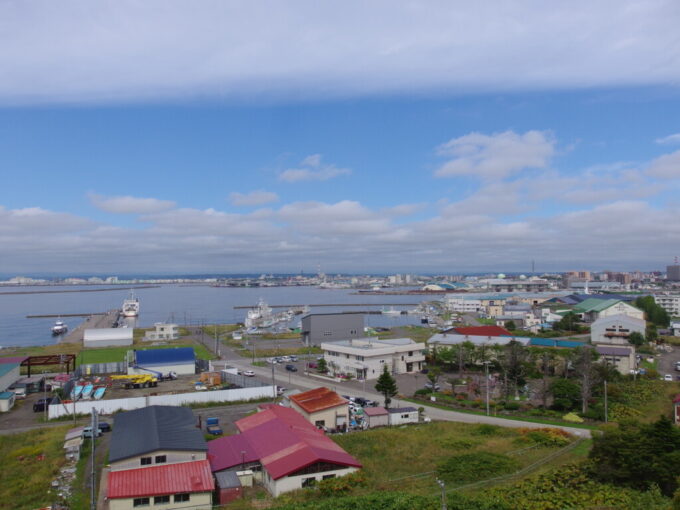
x,y
398,410
375,411
15,359
161,480
283,441
318,399
483,331
613,351
155,428
173,356
6,368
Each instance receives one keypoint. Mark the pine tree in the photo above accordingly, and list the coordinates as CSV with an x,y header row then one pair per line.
x,y
386,385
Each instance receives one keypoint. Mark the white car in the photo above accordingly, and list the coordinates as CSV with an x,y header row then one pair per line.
x,y
668,377
249,373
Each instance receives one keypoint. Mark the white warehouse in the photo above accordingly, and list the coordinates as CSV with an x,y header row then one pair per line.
x,y
106,337
364,358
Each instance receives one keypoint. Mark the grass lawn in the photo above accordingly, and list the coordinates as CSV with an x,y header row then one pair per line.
x,y
391,457
25,478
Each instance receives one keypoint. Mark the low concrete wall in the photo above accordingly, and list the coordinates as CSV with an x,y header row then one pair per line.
x,y
127,404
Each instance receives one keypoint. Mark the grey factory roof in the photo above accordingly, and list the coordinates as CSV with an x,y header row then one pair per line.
x,y
449,339
613,351
397,410
155,428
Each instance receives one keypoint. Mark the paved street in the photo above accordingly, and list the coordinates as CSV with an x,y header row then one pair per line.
x,y
356,388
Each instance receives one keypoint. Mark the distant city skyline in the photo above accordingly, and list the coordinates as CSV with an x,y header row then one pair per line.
x,y
428,138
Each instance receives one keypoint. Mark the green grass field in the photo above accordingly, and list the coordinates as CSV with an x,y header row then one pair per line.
x,y
113,354
25,475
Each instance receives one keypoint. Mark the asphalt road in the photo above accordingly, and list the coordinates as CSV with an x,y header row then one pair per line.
x,y
355,388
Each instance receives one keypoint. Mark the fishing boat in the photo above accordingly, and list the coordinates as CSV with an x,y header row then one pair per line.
x,y
87,391
99,393
77,391
131,306
59,328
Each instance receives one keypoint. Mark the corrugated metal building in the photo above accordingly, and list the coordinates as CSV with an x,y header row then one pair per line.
x,y
9,374
183,485
329,327
107,337
181,360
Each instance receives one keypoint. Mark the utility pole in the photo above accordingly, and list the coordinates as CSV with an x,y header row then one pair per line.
x,y
273,383
605,402
93,483
443,486
486,372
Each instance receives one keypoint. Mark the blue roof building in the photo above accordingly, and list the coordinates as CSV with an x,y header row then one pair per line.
x,y
181,360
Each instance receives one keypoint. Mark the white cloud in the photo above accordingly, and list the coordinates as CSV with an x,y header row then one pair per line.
x,y
666,166
129,205
313,170
495,156
668,140
84,51
257,197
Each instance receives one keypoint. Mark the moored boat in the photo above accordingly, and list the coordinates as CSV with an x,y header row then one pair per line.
x,y
131,306
59,328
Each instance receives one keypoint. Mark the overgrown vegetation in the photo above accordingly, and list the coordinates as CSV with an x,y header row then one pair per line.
x,y
30,461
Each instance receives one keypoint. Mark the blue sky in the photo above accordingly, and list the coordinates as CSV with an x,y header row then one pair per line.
x,y
362,146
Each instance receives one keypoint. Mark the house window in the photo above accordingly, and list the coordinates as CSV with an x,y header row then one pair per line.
x,y
352,331
161,500
308,482
181,498
326,477
160,459
327,333
359,358
410,353
320,423
145,461
141,502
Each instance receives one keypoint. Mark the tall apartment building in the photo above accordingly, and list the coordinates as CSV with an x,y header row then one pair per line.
x,y
669,302
673,273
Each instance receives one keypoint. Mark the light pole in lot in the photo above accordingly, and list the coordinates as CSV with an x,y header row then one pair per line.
x,y
443,486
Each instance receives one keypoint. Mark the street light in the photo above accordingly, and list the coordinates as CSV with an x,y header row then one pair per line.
x,y
443,487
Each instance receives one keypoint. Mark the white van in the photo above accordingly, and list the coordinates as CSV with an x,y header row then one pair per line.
x,y
19,392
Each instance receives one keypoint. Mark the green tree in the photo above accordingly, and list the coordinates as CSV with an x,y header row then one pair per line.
x,y
513,360
510,325
322,366
566,394
433,375
652,334
636,338
638,455
655,313
386,385
569,322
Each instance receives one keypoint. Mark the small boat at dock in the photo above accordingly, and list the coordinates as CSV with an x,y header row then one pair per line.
x,y
77,391
59,328
87,391
99,393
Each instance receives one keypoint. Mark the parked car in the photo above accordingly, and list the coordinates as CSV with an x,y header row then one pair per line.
x,y
286,359
104,426
249,373
41,404
291,368
212,426
668,377
293,357
429,386
280,390
19,392
87,432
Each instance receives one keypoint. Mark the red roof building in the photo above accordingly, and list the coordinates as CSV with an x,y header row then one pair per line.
x,y
481,331
290,451
186,485
322,408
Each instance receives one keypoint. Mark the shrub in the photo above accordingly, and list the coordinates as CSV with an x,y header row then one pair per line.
x,y
547,436
423,391
572,417
511,406
476,403
342,485
484,429
476,466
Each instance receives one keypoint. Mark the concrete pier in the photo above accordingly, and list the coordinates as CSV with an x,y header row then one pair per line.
x,y
104,320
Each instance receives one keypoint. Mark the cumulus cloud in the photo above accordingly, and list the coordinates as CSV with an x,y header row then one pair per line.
x,y
129,205
84,51
495,156
668,140
257,197
313,170
666,166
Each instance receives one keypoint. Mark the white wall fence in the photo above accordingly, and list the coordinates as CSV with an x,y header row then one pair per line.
x,y
178,399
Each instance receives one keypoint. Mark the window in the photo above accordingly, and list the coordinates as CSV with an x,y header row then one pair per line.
x,y
141,502
327,333
410,353
326,477
181,498
359,358
160,459
145,461
320,423
160,500
308,482
352,331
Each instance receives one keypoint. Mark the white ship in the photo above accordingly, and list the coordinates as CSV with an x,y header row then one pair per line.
x,y
257,317
131,306
59,328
